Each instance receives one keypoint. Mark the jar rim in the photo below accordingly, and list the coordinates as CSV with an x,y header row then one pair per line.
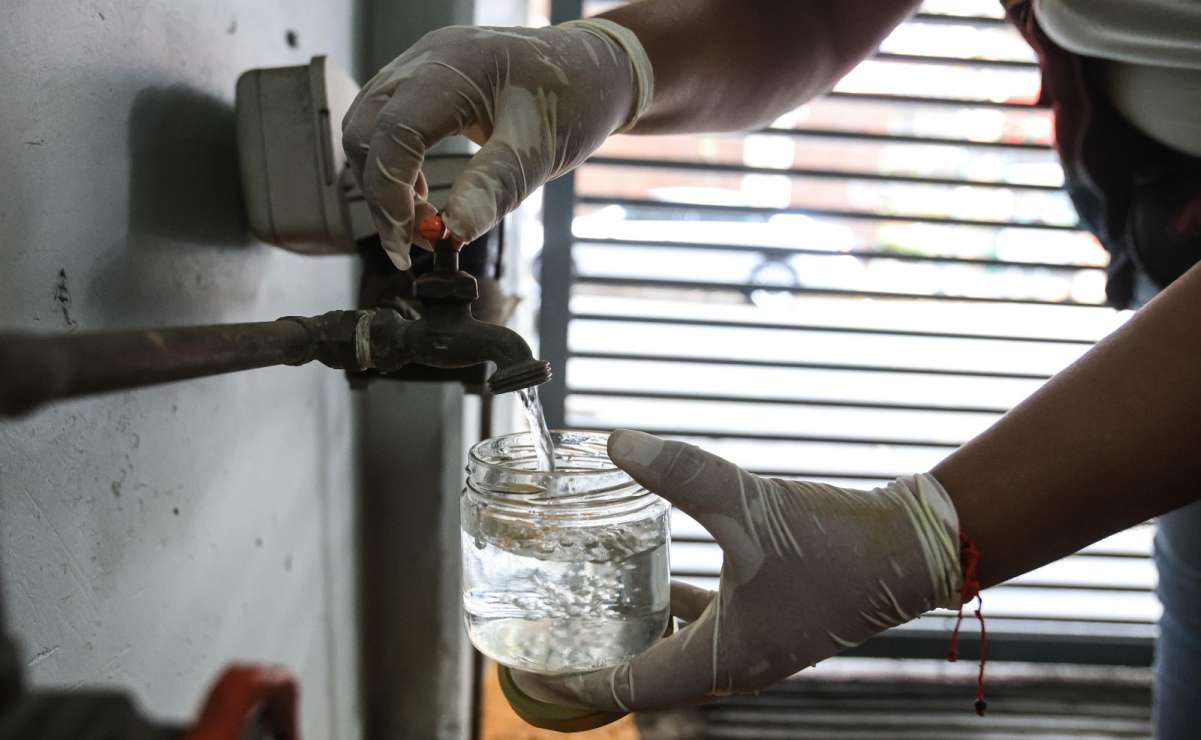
x,y
475,457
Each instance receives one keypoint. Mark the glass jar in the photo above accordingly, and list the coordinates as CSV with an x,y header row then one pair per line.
x,y
564,570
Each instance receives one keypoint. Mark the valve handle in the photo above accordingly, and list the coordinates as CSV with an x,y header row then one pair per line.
x,y
434,229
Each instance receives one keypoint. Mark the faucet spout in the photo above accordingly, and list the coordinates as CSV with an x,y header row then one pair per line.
x,y
448,336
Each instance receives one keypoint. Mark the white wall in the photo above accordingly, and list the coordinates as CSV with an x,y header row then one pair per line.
x,y
147,538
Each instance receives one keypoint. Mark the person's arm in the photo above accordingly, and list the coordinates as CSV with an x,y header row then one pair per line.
x,y
1111,441
541,100
810,569
730,66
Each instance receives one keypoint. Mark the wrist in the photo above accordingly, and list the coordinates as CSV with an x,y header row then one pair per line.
x,y
936,523
624,42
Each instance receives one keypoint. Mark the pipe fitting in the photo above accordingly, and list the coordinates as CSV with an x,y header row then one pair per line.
x,y
333,339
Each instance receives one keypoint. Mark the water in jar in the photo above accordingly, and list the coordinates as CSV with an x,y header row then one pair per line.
x,y
537,613
563,571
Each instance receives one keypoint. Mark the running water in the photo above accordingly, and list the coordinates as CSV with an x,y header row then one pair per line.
x,y
544,445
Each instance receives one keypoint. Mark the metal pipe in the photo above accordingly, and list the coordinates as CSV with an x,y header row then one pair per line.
x,y
37,369
34,370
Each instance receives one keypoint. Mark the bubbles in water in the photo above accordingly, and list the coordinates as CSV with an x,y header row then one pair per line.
x,y
563,616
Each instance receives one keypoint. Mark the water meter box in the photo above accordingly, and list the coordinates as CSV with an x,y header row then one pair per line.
x,y
563,571
295,181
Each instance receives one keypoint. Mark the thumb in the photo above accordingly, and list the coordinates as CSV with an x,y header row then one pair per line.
x,y
493,184
514,162
722,497
683,474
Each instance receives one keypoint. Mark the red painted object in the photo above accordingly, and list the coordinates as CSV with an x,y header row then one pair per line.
x,y
242,692
433,228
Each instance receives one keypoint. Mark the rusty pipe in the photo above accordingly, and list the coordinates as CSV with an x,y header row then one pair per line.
x,y
37,369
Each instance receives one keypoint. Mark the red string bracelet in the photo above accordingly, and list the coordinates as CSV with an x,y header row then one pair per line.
x,y
969,558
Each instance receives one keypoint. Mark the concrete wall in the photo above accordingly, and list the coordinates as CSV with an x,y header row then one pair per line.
x,y
148,538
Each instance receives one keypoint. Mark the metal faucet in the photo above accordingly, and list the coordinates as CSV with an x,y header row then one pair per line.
x,y
447,335
38,369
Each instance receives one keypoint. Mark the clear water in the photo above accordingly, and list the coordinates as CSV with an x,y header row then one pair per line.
x,y
539,610
544,445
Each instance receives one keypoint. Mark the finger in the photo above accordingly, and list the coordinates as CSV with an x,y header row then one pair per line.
x,y
688,601
676,670
512,163
720,496
422,188
415,118
700,483
410,69
422,208
358,124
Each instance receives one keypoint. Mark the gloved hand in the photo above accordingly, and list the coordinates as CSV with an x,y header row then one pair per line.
x,y
538,100
809,571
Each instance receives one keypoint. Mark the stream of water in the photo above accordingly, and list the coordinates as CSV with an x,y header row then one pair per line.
x,y
544,445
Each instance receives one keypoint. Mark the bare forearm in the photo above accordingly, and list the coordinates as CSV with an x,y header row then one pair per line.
x,y
1109,442
722,65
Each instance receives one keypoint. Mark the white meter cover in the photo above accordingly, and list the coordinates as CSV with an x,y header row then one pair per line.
x,y
298,191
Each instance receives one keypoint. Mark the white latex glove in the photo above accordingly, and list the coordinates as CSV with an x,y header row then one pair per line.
x,y
538,100
809,571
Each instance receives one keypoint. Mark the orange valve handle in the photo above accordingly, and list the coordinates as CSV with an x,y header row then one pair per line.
x,y
434,229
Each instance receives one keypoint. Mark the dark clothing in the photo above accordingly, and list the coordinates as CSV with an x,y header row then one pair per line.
x,y
1141,198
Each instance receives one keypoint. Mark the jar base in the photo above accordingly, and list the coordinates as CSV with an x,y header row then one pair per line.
x,y
570,645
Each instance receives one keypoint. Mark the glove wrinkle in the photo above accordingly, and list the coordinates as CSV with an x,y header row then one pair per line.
x,y
716,639
746,509
613,687
898,614
840,643
401,143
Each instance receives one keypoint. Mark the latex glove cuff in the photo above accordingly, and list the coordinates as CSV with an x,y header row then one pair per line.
x,y
640,63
